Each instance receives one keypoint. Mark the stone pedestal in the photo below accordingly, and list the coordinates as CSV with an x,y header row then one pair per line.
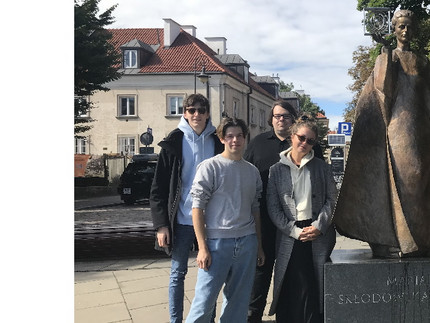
x,y
359,288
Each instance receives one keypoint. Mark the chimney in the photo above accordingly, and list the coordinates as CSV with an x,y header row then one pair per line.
x,y
217,44
171,31
190,29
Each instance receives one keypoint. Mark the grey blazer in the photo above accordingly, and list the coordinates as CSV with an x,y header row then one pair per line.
x,y
282,211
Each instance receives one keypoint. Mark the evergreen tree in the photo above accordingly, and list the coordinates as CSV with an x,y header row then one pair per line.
x,y
96,61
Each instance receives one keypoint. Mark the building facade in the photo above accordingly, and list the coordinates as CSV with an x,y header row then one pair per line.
x,y
161,67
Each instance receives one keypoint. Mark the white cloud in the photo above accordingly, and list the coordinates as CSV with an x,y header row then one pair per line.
x,y
308,42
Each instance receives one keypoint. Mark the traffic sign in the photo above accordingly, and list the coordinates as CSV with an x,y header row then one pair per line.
x,y
337,153
344,128
146,138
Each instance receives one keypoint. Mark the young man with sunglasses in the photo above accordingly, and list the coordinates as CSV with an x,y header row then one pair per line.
x,y
181,151
263,151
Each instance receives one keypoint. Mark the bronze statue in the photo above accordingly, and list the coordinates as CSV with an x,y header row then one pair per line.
x,y
385,195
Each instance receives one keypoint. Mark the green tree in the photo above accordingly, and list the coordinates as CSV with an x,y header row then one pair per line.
x,y
306,105
96,61
283,87
364,62
364,57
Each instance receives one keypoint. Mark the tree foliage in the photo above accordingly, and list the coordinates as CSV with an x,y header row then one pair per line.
x,y
306,105
364,57
96,61
284,87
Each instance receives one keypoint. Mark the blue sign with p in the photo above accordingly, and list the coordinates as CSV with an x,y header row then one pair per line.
x,y
344,128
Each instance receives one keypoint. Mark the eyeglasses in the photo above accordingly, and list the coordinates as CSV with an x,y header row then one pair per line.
x,y
285,116
308,140
200,110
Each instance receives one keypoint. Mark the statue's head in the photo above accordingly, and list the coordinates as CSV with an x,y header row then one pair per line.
x,y
403,25
402,13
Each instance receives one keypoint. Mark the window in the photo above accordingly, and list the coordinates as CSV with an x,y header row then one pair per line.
x,y
130,58
127,106
81,146
262,121
127,145
235,108
175,104
252,118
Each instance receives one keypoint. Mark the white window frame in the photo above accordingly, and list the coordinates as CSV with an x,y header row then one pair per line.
x,y
81,146
128,98
130,58
178,109
127,145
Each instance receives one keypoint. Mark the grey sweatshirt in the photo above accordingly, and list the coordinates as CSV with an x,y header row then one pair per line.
x,y
229,191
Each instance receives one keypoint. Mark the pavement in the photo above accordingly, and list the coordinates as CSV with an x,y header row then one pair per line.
x,y
135,290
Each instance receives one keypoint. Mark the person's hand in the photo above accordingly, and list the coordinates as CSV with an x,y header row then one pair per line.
x,y
261,258
163,237
309,233
204,259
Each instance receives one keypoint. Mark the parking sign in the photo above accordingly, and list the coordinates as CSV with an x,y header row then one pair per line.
x,y
344,128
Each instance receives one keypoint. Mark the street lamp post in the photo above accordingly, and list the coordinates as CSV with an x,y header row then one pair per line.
x,y
377,23
203,77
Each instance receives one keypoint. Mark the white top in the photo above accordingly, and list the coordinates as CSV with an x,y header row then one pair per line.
x,y
302,189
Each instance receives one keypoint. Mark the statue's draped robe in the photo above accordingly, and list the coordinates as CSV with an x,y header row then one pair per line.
x,y
385,194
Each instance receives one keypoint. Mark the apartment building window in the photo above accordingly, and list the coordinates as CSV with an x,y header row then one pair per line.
x,y
263,119
235,108
175,104
81,146
127,106
252,117
130,58
127,145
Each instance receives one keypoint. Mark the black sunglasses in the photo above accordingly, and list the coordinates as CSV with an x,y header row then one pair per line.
x,y
200,110
308,141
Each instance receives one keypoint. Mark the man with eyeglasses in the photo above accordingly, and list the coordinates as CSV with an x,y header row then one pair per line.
x,y
263,151
181,151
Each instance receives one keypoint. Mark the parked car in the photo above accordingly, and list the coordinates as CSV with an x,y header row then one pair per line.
x,y
135,181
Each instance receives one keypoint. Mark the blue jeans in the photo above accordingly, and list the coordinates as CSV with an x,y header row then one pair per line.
x,y
233,263
183,241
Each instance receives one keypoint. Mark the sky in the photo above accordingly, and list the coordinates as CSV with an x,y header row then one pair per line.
x,y
309,43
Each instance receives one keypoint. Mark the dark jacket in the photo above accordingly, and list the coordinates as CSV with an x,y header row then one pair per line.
x,y
166,185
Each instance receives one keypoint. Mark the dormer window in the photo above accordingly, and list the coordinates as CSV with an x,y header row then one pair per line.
x,y
236,64
130,58
136,53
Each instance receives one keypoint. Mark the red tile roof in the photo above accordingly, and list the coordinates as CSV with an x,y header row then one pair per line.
x,y
179,57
